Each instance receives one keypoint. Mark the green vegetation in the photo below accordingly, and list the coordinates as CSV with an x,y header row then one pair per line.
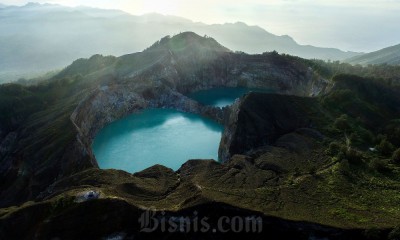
x,y
396,156
40,114
383,73
385,147
18,102
82,66
362,113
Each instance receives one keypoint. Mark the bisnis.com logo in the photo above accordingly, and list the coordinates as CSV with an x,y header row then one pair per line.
x,y
151,221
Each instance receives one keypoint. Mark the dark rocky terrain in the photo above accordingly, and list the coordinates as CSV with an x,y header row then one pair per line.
x,y
299,158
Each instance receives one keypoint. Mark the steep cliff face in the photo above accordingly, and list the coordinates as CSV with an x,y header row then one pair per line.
x,y
260,119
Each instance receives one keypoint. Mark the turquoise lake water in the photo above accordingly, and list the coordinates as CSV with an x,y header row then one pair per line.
x,y
156,136
164,136
224,96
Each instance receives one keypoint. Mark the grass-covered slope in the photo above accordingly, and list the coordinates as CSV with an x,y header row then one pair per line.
x,y
36,133
335,155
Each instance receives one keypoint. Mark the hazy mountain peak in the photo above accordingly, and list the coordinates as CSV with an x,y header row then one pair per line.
x,y
33,7
288,37
189,40
32,4
241,24
36,10
38,5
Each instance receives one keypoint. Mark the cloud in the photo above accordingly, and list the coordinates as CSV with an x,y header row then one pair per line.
x,y
361,25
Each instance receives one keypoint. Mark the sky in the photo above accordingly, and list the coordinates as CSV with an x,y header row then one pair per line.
x,y
352,25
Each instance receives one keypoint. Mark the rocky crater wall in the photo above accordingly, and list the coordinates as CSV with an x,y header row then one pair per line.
x,y
109,103
163,85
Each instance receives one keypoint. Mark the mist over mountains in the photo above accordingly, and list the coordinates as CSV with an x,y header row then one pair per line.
x,y
37,38
389,55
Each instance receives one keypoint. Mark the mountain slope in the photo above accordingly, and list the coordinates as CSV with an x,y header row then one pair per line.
x,y
254,39
37,38
300,163
389,55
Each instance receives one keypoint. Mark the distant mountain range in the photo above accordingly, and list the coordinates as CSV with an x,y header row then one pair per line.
x,y
37,38
389,55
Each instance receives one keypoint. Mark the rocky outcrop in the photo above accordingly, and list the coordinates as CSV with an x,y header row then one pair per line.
x,y
260,119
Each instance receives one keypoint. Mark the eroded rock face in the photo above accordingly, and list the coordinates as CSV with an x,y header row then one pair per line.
x,y
260,119
7,142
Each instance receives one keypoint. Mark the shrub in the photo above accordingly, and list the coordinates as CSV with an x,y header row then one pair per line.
x,y
366,135
334,148
392,131
342,123
396,156
354,156
380,137
385,147
379,164
343,167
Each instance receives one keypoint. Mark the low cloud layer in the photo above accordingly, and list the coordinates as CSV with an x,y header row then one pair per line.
x,y
357,25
